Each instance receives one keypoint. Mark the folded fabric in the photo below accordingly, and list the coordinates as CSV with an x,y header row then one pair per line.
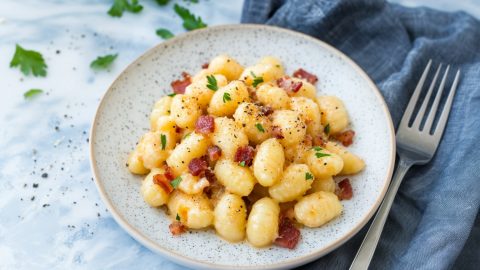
x,y
437,204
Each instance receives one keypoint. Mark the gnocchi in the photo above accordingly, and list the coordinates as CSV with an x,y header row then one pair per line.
x,y
244,150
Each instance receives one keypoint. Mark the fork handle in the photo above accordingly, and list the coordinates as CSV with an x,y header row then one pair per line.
x,y
367,249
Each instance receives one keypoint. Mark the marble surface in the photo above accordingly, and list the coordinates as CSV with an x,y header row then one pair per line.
x,y
51,216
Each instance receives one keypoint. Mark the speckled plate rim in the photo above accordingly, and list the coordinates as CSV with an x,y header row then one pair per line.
x,y
189,262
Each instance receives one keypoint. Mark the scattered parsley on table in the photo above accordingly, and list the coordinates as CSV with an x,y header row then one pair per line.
x,y
164,33
120,6
190,22
103,62
29,62
32,93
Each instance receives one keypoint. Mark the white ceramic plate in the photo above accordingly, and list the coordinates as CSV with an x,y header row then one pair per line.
x,y
122,117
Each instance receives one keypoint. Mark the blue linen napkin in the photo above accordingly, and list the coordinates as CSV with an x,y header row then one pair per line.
x,y
436,207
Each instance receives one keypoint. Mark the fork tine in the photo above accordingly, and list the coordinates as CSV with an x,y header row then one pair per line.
x,y
413,100
433,109
442,121
421,112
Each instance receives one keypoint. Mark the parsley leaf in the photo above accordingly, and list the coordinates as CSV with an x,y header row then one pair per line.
x,y
212,83
30,94
308,176
172,94
226,97
103,62
29,61
260,127
163,139
256,80
177,217
164,33
186,135
318,152
327,129
242,163
162,2
190,22
175,182
119,6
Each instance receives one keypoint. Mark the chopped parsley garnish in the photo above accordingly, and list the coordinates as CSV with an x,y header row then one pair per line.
x,y
242,163
226,97
163,139
172,94
162,2
103,62
175,182
29,61
177,217
212,83
318,152
260,127
187,135
190,22
308,176
327,129
164,33
30,94
119,6
256,80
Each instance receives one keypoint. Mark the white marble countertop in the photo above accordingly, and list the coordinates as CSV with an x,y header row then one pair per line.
x,y
51,215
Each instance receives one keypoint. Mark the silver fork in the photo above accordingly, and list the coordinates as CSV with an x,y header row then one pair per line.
x,y
415,146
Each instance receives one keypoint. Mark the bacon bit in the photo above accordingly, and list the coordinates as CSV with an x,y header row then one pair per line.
x,y
205,66
346,137
245,153
214,152
210,176
163,182
205,124
288,234
178,129
319,141
266,110
344,190
169,173
303,74
289,85
197,166
277,132
177,228
180,85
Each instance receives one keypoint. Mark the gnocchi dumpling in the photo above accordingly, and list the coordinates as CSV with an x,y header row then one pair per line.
x,y
309,112
194,211
323,163
228,136
154,148
227,66
192,146
273,96
266,70
225,100
296,180
268,163
231,217
262,224
318,208
135,163
291,125
323,184
191,184
165,123
351,163
333,113
307,90
153,194
254,123
161,108
185,110
236,179
200,89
